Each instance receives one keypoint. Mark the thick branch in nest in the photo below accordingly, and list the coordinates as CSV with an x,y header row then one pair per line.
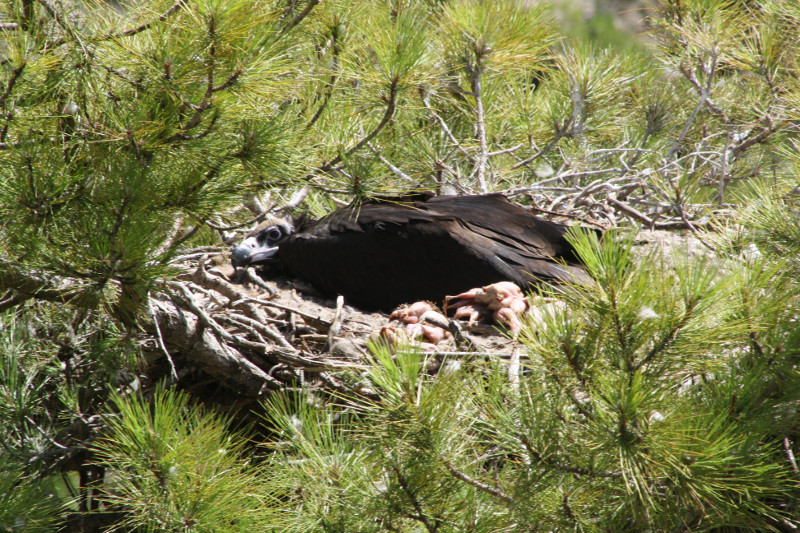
x,y
184,331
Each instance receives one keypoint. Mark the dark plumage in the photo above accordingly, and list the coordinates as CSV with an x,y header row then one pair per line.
x,y
385,252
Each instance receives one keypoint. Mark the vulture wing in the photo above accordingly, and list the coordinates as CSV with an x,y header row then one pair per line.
x,y
384,253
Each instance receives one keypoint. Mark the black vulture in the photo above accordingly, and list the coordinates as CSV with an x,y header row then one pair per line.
x,y
388,251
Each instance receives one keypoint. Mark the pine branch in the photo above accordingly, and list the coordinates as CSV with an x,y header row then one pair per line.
x,y
123,76
12,80
11,300
704,94
56,16
554,465
420,516
144,27
668,339
299,18
326,98
425,98
505,150
208,130
49,288
391,106
560,133
497,493
689,75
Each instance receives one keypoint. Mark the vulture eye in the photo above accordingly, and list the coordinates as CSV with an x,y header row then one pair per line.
x,y
274,234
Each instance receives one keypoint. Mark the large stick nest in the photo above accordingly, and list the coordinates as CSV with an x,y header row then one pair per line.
x,y
238,335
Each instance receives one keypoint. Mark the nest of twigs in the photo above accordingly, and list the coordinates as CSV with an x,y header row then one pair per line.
x,y
239,335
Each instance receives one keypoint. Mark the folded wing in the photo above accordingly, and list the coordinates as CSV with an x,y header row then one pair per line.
x,y
384,253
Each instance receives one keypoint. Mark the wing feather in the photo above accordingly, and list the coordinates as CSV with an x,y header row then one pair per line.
x,y
381,253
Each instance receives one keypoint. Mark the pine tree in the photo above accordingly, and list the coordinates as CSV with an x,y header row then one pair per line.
x,y
138,139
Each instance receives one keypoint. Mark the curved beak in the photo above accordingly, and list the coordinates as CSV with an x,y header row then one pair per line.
x,y
250,251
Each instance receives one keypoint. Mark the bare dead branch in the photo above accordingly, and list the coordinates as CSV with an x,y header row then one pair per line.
x,y
704,94
314,321
160,338
266,331
690,76
442,124
397,171
480,124
184,330
558,136
256,280
787,447
505,150
232,292
630,211
336,324
514,367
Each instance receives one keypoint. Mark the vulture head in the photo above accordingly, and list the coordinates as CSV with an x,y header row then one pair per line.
x,y
262,244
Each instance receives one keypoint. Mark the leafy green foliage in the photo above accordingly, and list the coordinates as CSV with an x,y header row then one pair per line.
x,y
176,468
662,398
97,184
376,466
51,368
496,35
26,504
629,415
